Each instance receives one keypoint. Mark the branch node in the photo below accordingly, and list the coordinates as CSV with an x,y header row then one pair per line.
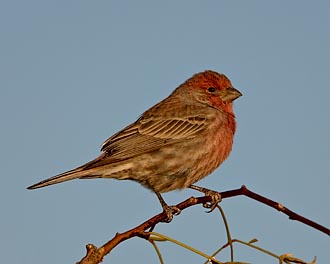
x,y
93,255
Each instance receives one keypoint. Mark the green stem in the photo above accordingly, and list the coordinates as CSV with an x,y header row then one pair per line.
x,y
185,246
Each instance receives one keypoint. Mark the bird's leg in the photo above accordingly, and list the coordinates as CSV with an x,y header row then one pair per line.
x,y
169,210
216,197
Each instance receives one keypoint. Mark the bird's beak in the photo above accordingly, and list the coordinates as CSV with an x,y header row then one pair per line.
x,y
230,94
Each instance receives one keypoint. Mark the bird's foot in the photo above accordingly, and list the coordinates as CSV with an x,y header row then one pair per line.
x,y
170,211
215,197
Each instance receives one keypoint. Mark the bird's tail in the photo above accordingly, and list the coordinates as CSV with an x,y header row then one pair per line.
x,y
66,176
88,170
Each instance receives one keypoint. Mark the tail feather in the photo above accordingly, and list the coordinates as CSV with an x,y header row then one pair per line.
x,y
97,168
66,176
89,170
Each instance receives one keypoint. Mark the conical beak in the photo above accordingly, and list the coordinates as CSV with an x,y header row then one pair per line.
x,y
230,94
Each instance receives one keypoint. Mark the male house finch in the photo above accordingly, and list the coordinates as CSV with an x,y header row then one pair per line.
x,y
172,145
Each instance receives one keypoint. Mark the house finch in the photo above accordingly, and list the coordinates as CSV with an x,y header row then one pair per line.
x,y
172,145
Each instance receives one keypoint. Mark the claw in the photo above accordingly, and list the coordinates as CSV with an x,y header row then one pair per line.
x,y
215,197
170,211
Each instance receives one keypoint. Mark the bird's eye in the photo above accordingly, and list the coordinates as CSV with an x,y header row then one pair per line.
x,y
211,89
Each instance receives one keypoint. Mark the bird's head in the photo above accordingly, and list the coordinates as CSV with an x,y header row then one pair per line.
x,y
213,89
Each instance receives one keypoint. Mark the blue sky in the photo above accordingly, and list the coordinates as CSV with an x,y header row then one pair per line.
x,y
75,72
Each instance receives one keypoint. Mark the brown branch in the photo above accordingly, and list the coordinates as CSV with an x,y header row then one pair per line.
x,y
95,255
292,215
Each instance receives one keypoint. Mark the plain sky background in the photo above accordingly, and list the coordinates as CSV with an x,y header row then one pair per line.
x,y
75,72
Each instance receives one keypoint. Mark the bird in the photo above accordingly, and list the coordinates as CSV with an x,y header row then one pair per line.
x,y
172,145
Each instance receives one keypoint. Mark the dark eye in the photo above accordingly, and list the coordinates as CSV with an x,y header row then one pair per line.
x,y
211,89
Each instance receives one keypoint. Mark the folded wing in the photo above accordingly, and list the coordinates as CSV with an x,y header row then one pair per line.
x,y
149,134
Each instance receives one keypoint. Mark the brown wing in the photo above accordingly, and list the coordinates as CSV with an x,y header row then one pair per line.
x,y
145,135
149,134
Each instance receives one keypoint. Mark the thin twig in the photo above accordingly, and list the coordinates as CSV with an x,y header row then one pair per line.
x,y
292,215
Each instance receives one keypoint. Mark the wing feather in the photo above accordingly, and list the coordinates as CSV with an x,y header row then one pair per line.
x,y
174,128
150,134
